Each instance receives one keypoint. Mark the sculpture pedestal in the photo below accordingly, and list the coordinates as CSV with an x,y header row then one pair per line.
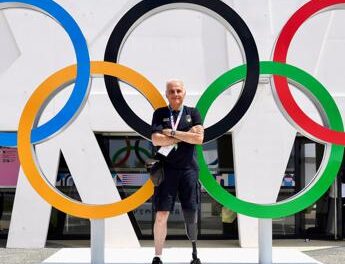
x,y
179,255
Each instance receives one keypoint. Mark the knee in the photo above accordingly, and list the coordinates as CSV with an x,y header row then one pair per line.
x,y
161,217
190,216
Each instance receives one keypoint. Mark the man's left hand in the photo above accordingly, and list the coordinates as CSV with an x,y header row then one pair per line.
x,y
167,132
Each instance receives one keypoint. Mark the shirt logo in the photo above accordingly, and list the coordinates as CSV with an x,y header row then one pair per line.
x,y
188,118
166,119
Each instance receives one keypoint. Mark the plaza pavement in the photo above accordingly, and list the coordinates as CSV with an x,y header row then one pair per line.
x,y
327,252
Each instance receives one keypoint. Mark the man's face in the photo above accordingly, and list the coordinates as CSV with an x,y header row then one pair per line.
x,y
175,94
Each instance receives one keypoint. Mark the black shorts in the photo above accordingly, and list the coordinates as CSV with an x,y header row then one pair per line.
x,y
183,182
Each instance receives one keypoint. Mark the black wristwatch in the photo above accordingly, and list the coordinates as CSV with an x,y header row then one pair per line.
x,y
172,133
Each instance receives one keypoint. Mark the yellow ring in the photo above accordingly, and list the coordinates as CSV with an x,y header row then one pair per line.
x,y
26,151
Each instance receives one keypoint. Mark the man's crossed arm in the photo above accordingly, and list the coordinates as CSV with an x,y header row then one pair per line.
x,y
194,136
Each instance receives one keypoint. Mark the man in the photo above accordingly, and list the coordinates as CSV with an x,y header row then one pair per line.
x,y
176,129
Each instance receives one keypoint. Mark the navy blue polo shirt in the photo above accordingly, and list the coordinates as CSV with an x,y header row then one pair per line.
x,y
184,156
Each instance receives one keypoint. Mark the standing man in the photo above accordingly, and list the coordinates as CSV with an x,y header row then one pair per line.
x,y
176,129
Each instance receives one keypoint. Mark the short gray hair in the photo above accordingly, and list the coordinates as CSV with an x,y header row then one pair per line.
x,y
171,81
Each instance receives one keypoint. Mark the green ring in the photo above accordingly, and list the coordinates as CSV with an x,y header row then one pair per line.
x,y
121,150
307,196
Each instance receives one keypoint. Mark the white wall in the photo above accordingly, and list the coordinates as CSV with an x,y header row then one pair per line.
x,y
184,44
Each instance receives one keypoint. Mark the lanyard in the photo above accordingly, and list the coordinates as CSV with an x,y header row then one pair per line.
x,y
173,124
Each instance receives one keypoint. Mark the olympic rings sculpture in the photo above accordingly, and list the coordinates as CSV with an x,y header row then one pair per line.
x,y
80,91
332,135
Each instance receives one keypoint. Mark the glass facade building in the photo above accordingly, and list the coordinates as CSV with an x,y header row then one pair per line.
x,y
125,156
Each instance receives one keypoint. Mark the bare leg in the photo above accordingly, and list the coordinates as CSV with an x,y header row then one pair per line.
x,y
160,230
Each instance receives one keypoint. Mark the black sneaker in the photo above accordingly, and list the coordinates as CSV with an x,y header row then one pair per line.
x,y
157,260
195,261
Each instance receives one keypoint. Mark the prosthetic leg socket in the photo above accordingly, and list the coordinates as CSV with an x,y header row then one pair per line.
x,y
191,225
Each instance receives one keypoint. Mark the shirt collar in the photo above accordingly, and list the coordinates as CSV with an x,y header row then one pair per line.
x,y
175,111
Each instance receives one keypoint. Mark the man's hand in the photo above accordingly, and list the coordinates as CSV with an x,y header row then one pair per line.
x,y
167,132
197,129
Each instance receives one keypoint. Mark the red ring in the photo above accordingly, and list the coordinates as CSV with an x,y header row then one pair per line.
x,y
281,85
125,158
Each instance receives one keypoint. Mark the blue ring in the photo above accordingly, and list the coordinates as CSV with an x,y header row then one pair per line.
x,y
80,91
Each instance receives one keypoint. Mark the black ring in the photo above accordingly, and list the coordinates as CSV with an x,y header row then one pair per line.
x,y
123,29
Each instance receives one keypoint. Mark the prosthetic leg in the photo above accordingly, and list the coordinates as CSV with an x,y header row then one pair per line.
x,y
191,224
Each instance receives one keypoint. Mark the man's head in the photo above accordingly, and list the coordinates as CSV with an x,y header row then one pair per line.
x,y
175,93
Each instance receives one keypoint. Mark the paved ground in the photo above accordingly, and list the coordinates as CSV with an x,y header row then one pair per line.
x,y
21,256
328,256
327,252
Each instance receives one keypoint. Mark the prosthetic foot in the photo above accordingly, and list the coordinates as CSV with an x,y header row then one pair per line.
x,y
191,224
195,259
